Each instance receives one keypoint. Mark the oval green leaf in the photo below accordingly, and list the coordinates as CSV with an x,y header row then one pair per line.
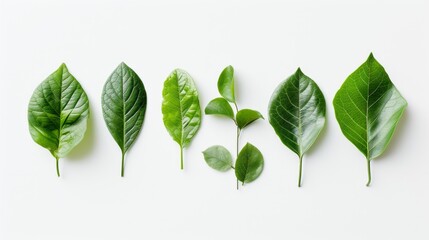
x,y
297,113
181,108
219,106
218,157
246,117
249,164
58,113
124,105
225,84
368,108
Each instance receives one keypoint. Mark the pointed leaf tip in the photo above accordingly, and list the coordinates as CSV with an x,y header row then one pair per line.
x,y
225,84
369,118
249,164
124,113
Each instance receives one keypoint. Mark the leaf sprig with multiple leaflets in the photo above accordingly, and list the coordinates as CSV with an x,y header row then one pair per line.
x,y
250,162
368,108
124,105
297,113
181,108
58,113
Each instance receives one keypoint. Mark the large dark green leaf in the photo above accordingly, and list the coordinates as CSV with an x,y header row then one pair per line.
x,y
58,113
219,106
297,113
225,84
246,117
181,108
218,157
124,106
368,107
249,164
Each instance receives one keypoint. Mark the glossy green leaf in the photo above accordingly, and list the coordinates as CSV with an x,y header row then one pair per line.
x,y
124,105
58,113
225,84
219,106
297,113
249,164
246,117
218,157
368,107
181,108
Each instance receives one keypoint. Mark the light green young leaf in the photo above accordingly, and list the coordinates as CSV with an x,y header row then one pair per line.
x,y
368,108
219,106
249,164
124,105
225,84
297,113
246,117
58,113
181,108
218,157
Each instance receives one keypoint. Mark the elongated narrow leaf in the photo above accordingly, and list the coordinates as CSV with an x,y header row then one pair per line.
x,y
219,106
218,157
368,108
297,113
249,164
58,113
246,117
225,84
181,108
124,105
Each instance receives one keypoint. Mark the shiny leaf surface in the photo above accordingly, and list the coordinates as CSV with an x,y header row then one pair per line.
x,y
249,164
58,113
225,84
219,106
124,105
297,113
368,108
181,108
246,117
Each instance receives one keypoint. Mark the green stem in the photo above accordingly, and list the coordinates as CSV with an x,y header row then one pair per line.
x,y
238,137
238,145
300,171
369,173
181,157
122,164
58,168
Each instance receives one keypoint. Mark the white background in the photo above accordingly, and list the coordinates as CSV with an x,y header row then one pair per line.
x,y
265,41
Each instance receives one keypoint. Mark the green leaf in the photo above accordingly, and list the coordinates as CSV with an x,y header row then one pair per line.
x,y
124,105
297,113
225,84
368,107
249,164
218,157
58,113
181,108
247,116
219,106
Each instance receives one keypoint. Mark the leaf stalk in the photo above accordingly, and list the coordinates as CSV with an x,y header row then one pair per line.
x,y
122,165
369,172
300,171
181,157
57,165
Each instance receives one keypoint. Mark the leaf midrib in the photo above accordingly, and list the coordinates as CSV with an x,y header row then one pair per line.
x,y
299,118
123,110
60,110
367,112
